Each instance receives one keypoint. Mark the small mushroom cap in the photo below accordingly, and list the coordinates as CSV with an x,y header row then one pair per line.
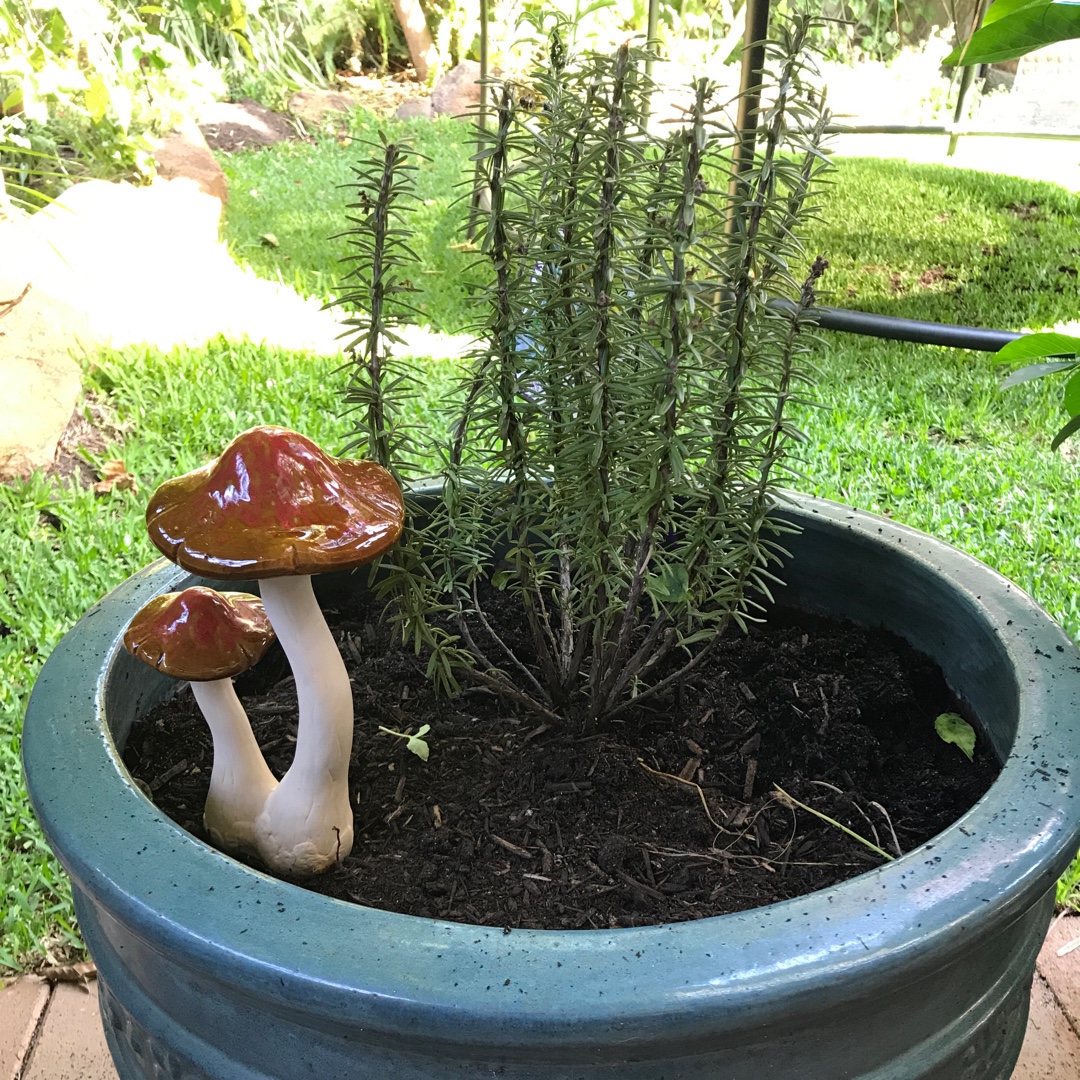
x,y
199,634
275,504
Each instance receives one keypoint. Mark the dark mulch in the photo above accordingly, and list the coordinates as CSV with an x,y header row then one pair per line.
x,y
513,823
244,125
232,126
90,430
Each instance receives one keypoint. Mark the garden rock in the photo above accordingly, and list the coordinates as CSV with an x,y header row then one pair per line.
x,y
185,154
114,265
315,106
457,93
40,383
244,124
415,108
144,265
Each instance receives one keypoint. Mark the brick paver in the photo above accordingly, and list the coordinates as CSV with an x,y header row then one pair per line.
x,y
21,1009
1051,1047
1062,973
71,1044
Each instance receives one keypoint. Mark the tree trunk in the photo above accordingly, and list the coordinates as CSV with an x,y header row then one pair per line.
x,y
422,49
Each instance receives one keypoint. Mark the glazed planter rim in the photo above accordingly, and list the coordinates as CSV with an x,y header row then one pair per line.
x,y
395,972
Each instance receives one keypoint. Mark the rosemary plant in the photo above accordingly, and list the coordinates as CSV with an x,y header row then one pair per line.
x,y
375,289
618,443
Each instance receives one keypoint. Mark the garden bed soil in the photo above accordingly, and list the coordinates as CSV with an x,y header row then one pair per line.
x,y
245,124
667,813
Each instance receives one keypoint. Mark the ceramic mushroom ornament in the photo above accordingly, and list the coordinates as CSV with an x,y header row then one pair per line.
x,y
276,507
208,637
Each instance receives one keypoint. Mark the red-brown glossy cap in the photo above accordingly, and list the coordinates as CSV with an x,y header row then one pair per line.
x,y
275,504
200,634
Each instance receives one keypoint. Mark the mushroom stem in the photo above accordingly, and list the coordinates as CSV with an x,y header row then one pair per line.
x,y
240,781
306,825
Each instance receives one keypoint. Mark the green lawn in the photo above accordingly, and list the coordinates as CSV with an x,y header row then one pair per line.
x,y
930,242
299,193
920,434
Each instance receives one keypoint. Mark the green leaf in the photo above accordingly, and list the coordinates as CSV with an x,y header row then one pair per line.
x,y
1036,371
670,584
240,37
419,746
1029,28
1032,346
149,58
57,30
1071,428
597,5
97,98
953,728
1072,395
413,743
1000,8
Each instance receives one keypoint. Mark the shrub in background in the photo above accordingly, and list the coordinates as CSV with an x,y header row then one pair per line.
x,y
80,86
267,48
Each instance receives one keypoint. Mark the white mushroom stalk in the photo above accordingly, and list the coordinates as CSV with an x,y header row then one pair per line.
x,y
306,824
240,780
277,508
208,637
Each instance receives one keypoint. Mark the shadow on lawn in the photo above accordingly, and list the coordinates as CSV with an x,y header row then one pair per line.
x,y
931,242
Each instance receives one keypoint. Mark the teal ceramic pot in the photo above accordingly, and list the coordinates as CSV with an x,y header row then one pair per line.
x,y
920,969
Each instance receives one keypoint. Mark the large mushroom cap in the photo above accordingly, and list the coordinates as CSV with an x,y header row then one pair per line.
x,y
200,634
275,504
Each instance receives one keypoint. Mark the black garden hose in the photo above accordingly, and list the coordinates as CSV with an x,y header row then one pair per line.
x,y
890,328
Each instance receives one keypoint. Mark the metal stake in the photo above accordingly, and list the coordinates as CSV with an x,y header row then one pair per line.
x,y
481,119
967,74
753,64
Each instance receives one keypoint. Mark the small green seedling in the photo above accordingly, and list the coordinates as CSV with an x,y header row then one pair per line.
x,y
953,728
415,743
